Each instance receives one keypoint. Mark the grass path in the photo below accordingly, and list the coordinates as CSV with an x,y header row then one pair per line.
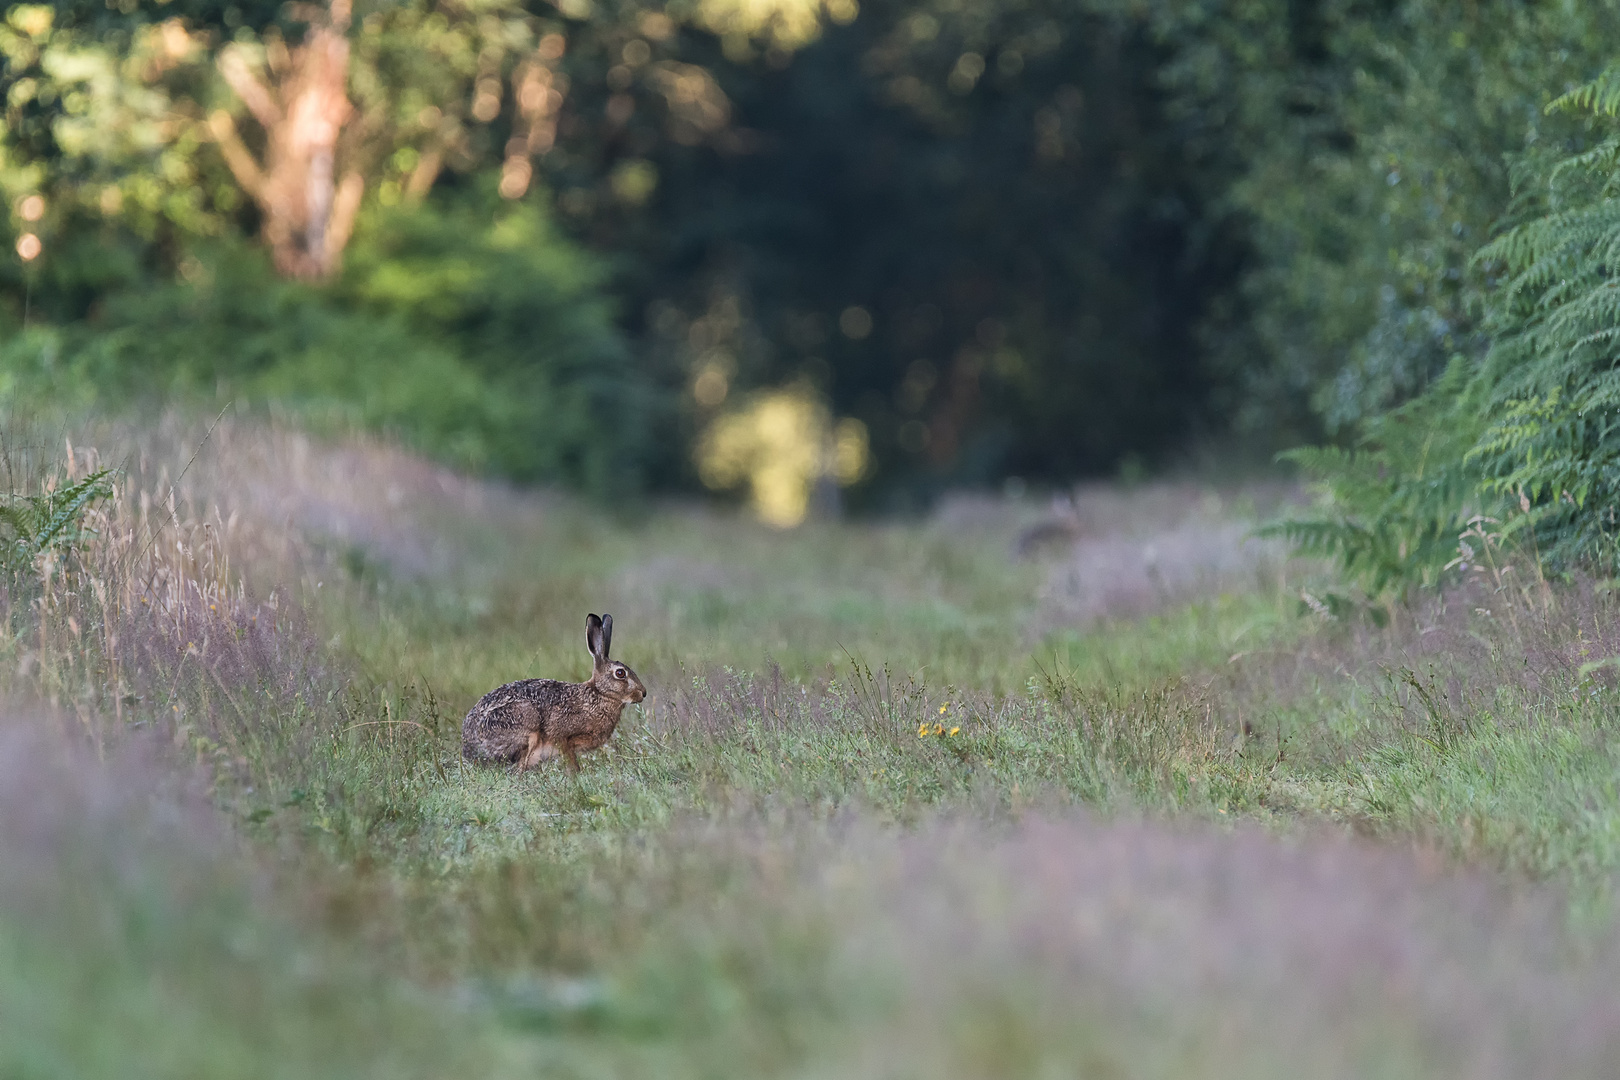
x,y
904,802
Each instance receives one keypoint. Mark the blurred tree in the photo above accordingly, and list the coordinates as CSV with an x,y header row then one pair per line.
x,y
1022,237
969,226
117,114
1361,148
1472,382
308,214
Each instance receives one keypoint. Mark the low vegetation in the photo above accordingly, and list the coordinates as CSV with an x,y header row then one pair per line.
x,y
934,777
1031,239
901,802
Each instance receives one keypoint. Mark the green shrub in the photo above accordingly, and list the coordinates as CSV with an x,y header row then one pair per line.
x,y
1368,148
471,331
1390,510
1553,442
1530,433
527,312
53,519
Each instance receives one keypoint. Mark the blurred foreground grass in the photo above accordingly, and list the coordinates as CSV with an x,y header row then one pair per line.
x,y
1016,790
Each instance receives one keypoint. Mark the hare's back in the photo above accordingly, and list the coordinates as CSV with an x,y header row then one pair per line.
x,y
544,693
498,727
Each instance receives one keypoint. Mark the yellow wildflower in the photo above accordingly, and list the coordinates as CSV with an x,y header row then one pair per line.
x,y
955,730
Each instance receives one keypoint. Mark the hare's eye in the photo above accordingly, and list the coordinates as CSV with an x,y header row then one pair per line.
x,y
618,673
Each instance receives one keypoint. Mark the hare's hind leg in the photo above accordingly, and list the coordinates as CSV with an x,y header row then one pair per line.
x,y
521,761
536,752
525,757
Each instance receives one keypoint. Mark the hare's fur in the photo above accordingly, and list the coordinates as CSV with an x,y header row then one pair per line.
x,y
533,720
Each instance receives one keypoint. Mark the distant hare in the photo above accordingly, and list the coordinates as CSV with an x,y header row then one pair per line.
x,y
534,720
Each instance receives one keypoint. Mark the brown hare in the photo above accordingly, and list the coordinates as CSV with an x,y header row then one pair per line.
x,y
534,720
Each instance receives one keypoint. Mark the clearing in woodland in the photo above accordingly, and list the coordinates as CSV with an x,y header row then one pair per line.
x,y
1096,787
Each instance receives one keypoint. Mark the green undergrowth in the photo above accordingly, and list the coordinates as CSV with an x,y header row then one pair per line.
x,y
760,652
833,841
739,743
690,589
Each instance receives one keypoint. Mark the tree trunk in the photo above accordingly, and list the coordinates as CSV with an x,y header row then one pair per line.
x,y
308,213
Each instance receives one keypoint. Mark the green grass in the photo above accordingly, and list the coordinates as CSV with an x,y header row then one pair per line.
x,y
690,590
884,813
786,669
774,633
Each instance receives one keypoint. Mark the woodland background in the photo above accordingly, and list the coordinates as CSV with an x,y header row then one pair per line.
x,y
351,352
1012,239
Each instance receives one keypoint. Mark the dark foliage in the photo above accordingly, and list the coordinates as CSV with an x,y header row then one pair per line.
x,y
1034,239
1029,250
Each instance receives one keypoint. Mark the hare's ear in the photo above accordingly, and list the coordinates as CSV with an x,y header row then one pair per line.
x,y
593,637
607,635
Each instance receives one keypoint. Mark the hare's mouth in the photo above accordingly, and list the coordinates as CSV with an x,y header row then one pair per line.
x,y
635,695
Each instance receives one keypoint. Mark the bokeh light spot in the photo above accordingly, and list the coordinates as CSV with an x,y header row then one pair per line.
x,y
634,181
711,386
855,322
782,444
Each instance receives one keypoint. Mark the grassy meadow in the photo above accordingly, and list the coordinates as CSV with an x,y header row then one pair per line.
x,y
1094,787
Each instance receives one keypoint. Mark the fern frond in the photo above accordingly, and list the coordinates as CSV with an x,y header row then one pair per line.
x,y
1601,96
54,519
64,520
